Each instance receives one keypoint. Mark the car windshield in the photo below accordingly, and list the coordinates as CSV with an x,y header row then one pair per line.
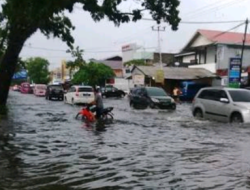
x,y
156,92
57,87
239,95
85,89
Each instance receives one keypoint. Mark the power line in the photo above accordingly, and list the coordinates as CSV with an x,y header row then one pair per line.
x,y
202,22
222,33
60,50
219,8
215,6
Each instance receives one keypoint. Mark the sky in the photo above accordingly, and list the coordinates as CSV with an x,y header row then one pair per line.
x,y
103,39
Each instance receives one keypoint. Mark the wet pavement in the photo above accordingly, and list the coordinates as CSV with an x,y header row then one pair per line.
x,y
49,150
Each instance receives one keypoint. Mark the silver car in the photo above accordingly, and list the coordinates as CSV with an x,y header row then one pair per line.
x,y
222,104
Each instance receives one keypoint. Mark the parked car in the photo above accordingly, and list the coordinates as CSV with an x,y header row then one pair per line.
x,y
54,91
25,88
39,90
110,91
15,88
79,95
153,97
189,89
222,104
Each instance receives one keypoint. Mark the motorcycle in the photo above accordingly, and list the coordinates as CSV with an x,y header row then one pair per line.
x,y
88,112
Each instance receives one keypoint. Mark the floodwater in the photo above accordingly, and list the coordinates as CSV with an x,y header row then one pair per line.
x,y
48,149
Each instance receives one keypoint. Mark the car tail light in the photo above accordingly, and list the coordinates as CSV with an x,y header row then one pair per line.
x,y
193,101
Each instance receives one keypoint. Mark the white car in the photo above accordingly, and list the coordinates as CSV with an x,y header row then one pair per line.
x,y
79,95
222,104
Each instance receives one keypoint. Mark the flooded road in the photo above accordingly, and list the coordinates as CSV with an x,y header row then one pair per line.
x,y
50,150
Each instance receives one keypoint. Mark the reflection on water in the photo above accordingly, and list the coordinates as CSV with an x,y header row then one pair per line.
x,y
48,149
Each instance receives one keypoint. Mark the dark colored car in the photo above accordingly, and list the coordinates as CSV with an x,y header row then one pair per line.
x,y
54,91
110,91
153,97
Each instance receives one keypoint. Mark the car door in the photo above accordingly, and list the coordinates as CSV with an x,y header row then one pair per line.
x,y
207,100
69,94
221,109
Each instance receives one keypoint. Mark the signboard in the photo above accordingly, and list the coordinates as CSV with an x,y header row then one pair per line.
x,y
159,76
138,79
234,72
20,75
129,47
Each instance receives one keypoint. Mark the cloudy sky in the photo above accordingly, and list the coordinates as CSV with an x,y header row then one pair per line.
x,y
103,39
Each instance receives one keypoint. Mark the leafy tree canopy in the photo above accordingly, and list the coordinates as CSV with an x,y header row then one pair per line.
x,y
93,74
78,62
20,19
38,70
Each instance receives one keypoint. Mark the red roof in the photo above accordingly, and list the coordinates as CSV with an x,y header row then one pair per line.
x,y
224,37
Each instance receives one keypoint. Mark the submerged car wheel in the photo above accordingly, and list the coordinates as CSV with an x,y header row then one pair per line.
x,y
173,107
198,113
236,118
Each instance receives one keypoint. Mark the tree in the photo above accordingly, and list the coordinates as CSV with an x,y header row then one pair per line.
x,y
38,71
93,74
22,18
137,62
78,62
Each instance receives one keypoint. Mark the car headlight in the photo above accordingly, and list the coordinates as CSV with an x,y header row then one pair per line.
x,y
155,100
172,100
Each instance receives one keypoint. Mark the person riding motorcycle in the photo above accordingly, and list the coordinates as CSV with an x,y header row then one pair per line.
x,y
99,104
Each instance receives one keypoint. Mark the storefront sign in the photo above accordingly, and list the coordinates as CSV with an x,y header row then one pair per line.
x,y
159,76
138,79
234,72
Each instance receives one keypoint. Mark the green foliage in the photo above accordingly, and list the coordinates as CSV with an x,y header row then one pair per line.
x,y
93,74
136,62
78,63
38,70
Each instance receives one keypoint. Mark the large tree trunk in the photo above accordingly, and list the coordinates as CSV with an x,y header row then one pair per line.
x,y
9,60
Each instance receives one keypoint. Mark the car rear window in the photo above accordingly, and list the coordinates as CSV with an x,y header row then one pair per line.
x,y
41,87
85,89
56,87
26,85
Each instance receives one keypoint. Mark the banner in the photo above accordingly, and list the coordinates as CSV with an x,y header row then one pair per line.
x,y
138,79
20,75
234,72
159,76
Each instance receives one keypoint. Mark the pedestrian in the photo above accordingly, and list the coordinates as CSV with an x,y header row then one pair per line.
x,y
176,94
99,104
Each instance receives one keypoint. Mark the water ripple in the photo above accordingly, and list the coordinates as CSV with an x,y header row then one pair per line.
x,y
48,149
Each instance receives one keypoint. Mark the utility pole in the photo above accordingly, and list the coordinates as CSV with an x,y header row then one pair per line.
x,y
243,47
159,29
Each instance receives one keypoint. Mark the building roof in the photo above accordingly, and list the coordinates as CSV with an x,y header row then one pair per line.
x,y
177,73
225,37
220,37
115,65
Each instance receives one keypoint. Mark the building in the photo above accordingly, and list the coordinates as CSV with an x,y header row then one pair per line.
x,y
214,48
146,75
114,62
60,74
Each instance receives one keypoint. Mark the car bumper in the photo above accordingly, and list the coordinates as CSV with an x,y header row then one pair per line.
x,y
83,101
165,106
56,95
246,116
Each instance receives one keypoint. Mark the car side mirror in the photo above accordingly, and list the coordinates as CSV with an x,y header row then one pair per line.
x,y
224,100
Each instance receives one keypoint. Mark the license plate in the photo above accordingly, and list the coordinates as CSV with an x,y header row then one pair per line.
x,y
86,94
